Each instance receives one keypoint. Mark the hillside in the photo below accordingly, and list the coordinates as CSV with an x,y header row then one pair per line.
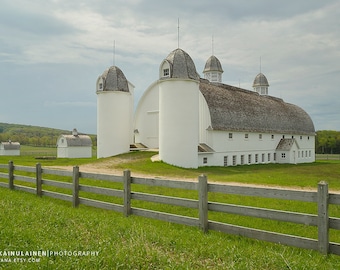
x,y
32,135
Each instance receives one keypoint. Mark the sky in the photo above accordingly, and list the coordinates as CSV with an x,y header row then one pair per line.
x,y
52,52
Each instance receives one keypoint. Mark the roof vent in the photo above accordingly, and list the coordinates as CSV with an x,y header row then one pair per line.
x,y
75,132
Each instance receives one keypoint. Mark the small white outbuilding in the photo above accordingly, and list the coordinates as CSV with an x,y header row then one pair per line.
x,y
74,146
9,148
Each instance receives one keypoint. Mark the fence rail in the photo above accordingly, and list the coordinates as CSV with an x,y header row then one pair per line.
x,y
321,197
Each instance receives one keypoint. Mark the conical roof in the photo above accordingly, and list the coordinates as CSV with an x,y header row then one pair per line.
x,y
115,80
260,80
182,65
213,64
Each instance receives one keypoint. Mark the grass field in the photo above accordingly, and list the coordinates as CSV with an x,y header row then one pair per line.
x,y
30,223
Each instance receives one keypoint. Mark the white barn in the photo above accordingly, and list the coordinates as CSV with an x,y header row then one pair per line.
x,y
9,148
74,146
203,122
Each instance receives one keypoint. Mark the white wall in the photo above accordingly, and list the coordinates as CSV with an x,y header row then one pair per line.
x,y
146,119
74,152
239,146
4,152
204,120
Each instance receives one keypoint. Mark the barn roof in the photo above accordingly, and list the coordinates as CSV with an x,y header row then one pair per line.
x,y
235,109
78,140
10,145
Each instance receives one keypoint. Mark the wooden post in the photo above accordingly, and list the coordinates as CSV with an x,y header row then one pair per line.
x,y
38,176
127,193
75,192
10,175
323,218
203,202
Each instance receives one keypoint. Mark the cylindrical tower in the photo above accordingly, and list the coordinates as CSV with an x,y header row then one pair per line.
x,y
179,110
114,113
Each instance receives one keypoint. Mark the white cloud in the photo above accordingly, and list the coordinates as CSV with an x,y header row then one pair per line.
x,y
297,41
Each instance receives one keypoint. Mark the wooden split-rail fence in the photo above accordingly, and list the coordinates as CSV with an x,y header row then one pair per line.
x,y
320,219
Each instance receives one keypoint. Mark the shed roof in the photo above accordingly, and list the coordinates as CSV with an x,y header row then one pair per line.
x,y
236,109
285,144
10,145
78,140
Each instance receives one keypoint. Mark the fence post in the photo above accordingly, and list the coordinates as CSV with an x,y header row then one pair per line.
x,y
323,218
38,176
75,191
203,202
10,175
127,193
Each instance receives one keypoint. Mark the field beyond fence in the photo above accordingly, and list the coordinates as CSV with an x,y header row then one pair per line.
x,y
123,194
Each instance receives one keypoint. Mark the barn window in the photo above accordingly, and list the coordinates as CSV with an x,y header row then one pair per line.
x,y
230,135
268,157
205,160
242,159
234,160
256,158
246,136
249,159
260,136
166,72
225,161
100,86
272,136
283,155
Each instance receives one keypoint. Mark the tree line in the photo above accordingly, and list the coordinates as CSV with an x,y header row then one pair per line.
x,y
33,135
326,141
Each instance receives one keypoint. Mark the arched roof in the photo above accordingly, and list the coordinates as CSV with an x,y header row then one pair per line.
x,y
213,64
260,80
181,65
114,80
236,109
78,140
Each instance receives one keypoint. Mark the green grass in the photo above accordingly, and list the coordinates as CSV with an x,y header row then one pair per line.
x,y
306,175
30,223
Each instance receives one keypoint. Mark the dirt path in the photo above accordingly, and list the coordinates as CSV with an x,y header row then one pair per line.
x,y
107,167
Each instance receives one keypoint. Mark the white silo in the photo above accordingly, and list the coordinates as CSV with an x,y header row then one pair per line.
x,y
179,110
114,113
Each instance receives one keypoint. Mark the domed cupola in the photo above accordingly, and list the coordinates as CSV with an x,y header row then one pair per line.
x,y
178,64
261,84
113,79
213,70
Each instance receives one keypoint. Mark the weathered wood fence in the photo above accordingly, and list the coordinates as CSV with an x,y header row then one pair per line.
x,y
321,197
